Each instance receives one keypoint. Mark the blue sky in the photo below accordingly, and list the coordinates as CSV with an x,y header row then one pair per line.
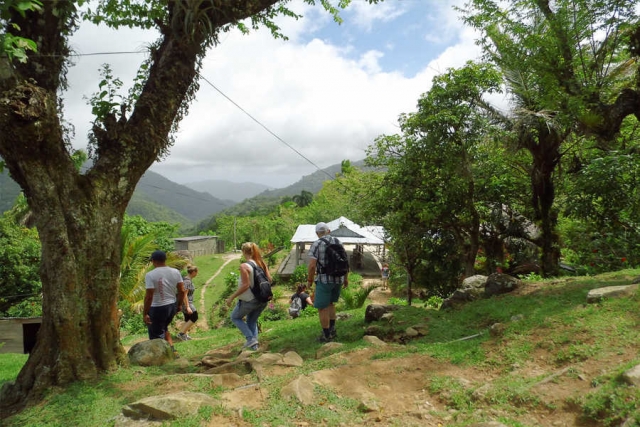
x,y
408,34
328,91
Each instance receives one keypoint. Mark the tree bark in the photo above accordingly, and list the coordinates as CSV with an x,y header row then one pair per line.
x,y
546,156
79,216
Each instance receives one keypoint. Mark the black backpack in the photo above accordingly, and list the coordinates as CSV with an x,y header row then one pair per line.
x,y
261,287
336,260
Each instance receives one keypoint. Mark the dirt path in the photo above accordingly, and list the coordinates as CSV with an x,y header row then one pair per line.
x,y
204,325
377,296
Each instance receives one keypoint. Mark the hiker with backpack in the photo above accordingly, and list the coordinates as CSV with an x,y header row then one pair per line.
x,y
299,301
328,259
253,293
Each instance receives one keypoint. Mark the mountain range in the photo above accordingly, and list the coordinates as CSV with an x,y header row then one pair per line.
x,y
234,192
157,198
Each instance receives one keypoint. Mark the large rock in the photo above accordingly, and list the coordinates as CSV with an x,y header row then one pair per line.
x,y
498,284
301,389
373,340
375,312
169,407
474,285
472,288
151,353
632,376
599,294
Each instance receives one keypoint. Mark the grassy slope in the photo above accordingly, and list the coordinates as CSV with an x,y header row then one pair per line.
x,y
557,329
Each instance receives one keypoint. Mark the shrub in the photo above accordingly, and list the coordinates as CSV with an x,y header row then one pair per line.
x,y
275,311
222,311
131,322
299,274
397,301
434,302
355,298
30,307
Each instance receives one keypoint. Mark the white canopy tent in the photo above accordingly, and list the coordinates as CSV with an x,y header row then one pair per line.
x,y
344,229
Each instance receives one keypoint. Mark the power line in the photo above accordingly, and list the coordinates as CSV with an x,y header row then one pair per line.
x,y
228,99
263,126
224,95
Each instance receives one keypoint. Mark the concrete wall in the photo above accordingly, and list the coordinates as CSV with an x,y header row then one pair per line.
x,y
204,246
18,335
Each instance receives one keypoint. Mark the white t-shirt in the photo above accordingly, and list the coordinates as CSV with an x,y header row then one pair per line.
x,y
247,295
165,282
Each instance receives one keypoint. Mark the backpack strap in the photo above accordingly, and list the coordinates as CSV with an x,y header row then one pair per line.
x,y
327,242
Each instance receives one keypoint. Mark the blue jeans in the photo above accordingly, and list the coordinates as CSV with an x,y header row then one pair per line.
x,y
252,310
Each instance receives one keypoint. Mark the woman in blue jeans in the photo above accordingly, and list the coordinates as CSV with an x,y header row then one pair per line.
x,y
248,306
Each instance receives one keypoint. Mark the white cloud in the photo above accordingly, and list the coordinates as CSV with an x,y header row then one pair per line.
x,y
310,93
365,15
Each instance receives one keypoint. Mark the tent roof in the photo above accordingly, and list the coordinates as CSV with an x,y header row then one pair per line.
x,y
344,229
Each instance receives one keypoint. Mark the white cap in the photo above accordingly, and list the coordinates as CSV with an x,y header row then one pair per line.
x,y
322,228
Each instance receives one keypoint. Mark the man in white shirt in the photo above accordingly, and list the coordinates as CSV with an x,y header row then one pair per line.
x,y
161,285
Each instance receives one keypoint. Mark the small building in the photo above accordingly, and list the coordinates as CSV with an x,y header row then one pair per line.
x,y
18,334
200,245
365,246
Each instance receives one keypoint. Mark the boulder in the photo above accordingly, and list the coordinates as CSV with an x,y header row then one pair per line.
x,y
169,406
632,376
374,312
373,340
596,295
150,353
300,389
498,284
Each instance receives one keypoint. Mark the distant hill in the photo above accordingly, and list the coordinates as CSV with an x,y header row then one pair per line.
x,y
267,201
152,211
312,183
194,205
9,191
227,190
156,199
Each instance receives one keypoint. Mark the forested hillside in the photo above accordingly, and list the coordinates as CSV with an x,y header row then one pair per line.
x,y
140,204
227,190
9,190
267,202
192,204
156,199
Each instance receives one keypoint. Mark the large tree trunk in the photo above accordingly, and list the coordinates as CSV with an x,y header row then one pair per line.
x,y
546,156
78,216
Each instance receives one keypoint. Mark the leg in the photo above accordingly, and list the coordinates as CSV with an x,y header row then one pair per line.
x,y
186,326
324,314
335,296
322,303
240,311
252,319
171,311
167,336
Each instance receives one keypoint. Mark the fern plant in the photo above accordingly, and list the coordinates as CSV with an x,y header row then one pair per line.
x,y
354,297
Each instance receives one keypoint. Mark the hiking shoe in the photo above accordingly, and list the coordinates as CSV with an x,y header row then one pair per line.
x,y
323,339
251,343
254,347
333,334
187,337
176,355
181,336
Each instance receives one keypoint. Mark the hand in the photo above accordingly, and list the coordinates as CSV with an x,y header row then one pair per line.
x,y
345,284
189,311
147,319
229,301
